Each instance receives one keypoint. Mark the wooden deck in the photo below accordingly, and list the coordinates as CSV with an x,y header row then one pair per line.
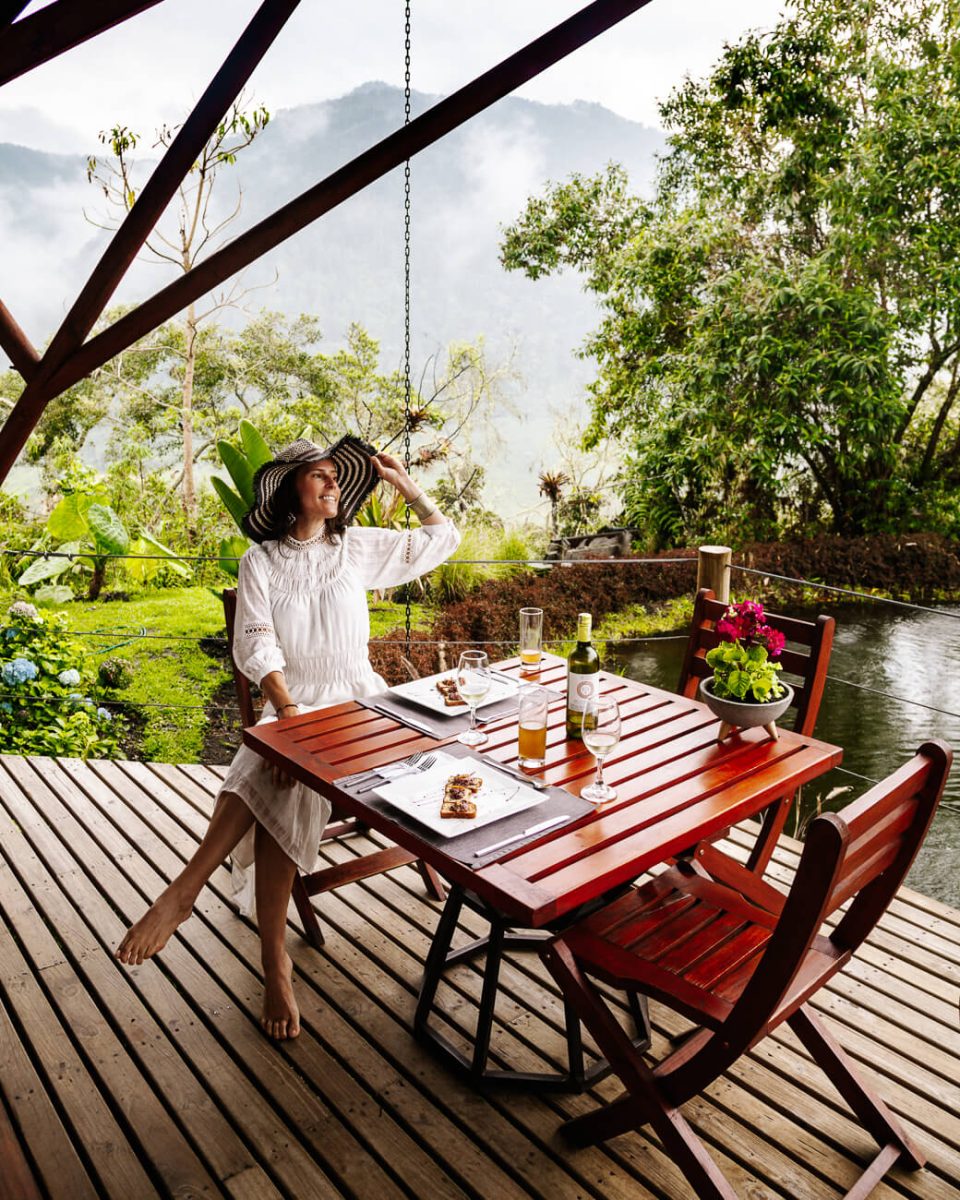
x,y
157,1080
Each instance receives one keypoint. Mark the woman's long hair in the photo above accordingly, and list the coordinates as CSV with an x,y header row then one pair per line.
x,y
286,507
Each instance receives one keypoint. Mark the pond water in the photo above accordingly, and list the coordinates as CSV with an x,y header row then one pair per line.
x,y
897,651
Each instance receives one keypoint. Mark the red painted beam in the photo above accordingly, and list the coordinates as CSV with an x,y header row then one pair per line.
x,y
36,39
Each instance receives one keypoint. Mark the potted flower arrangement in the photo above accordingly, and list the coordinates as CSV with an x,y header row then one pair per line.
x,y
744,691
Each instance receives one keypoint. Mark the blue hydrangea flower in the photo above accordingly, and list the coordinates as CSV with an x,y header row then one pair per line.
x,y
18,671
10,633
104,714
69,678
6,706
75,697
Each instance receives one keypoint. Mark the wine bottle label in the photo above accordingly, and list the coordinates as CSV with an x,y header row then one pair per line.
x,y
580,689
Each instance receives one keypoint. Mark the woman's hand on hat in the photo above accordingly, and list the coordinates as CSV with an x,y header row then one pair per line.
x,y
392,471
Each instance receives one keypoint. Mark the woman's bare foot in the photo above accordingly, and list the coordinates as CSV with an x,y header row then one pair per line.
x,y
152,932
281,1016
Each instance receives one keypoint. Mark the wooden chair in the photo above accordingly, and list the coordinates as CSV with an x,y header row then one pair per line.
x,y
740,964
362,867
809,665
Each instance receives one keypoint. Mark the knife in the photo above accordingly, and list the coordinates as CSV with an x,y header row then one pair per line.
x,y
404,720
538,784
518,837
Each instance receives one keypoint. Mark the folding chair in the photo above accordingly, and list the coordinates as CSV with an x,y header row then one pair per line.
x,y
810,669
324,880
741,963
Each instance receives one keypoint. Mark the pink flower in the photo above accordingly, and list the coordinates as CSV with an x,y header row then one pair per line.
x,y
745,622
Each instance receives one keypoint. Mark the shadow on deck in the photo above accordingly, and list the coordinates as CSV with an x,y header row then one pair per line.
x,y
156,1080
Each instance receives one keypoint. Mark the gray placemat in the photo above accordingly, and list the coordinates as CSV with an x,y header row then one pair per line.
x,y
556,802
417,717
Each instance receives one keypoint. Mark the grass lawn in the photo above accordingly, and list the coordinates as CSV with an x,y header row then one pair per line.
x,y
159,631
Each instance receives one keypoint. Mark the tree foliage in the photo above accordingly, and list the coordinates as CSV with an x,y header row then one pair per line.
x,y
780,338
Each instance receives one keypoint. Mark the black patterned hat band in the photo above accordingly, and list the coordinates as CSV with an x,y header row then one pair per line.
x,y
356,478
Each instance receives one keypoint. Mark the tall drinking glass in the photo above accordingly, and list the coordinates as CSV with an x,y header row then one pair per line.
x,y
531,638
532,712
473,682
601,735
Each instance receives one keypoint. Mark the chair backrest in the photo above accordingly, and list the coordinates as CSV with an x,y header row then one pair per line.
x,y
248,714
809,664
861,855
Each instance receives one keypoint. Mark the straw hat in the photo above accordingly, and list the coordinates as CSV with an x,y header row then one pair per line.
x,y
356,478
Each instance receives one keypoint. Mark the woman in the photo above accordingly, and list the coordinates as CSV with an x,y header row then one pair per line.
x,y
301,633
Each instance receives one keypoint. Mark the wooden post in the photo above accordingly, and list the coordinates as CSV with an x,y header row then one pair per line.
x,y
713,570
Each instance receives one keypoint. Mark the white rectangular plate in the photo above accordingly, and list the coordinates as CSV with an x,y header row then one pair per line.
x,y
420,795
424,693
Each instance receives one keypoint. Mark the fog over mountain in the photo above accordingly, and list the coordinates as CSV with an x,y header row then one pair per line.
x,y
348,266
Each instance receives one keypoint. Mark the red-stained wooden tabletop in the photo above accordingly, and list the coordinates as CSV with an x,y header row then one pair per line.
x,y
676,785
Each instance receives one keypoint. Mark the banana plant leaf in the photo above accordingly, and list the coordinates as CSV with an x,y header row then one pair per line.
x,y
232,502
232,549
68,521
254,446
240,468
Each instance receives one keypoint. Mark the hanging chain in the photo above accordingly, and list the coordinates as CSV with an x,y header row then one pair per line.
x,y
406,297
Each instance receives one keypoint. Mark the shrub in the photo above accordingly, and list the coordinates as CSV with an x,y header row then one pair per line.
x,y
48,703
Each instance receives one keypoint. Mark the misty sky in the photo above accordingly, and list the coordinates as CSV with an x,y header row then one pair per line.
x,y
152,67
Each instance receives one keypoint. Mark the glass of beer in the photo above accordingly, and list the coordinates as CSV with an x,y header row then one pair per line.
x,y
532,711
531,636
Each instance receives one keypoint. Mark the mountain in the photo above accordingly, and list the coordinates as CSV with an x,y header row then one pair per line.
x,y
348,266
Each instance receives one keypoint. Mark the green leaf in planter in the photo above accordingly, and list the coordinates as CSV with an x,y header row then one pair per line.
x,y
232,502
109,532
68,521
240,468
255,448
232,548
43,568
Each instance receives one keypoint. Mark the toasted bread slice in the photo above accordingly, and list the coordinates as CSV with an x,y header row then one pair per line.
x,y
448,690
458,796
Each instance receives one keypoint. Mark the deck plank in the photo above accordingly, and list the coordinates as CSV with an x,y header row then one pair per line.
x,y
157,1080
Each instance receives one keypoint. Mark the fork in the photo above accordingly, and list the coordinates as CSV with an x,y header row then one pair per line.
x,y
419,761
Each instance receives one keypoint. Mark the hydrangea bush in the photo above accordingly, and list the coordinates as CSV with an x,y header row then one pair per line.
x,y
48,690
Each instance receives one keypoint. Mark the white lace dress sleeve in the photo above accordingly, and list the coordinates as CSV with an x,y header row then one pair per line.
x,y
256,649
389,557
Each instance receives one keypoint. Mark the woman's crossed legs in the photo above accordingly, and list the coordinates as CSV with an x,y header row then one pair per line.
x,y
274,880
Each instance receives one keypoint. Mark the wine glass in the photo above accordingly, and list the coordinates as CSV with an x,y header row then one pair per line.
x,y
601,734
473,682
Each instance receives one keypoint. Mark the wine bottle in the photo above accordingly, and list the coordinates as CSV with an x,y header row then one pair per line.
x,y
583,676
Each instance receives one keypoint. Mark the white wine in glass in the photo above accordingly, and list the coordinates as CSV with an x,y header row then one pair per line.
x,y
601,735
473,683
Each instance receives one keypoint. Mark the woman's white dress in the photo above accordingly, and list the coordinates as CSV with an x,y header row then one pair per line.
x,y
302,609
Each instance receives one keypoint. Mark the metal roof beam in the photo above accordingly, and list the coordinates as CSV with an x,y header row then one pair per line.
x,y
365,169
60,26
16,345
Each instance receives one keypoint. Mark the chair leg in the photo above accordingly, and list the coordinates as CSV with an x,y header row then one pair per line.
x,y
432,881
771,826
644,1102
311,926
874,1115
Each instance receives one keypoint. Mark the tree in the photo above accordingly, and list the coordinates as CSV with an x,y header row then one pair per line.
x,y
781,324
196,230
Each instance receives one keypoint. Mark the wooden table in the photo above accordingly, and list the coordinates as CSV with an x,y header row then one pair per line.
x,y
676,786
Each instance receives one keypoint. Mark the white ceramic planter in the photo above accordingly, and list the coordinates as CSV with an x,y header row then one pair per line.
x,y
743,714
